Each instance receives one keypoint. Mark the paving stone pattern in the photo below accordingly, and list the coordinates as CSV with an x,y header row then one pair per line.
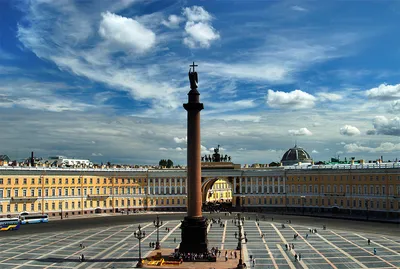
x,y
116,247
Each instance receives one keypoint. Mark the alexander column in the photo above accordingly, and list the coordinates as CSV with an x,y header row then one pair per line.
x,y
194,226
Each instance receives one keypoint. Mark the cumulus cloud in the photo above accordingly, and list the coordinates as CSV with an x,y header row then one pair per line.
x,y
314,151
300,132
395,106
384,92
126,32
180,140
173,21
382,148
198,29
296,99
349,130
324,96
387,126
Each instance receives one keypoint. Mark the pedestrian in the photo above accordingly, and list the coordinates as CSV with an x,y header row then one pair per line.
x,y
369,241
292,246
306,236
286,246
295,257
235,255
174,239
374,251
299,256
226,257
254,262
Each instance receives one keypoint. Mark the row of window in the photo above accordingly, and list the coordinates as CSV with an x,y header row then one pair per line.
x,y
344,177
73,181
74,191
355,189
360,203
90,204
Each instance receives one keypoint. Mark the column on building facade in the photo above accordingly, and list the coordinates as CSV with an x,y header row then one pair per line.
x,y
273,185
257,184
180,185
159,186
268,184
262,185
165,186
234,185
170,186
154,186
240,184
175,185
279,184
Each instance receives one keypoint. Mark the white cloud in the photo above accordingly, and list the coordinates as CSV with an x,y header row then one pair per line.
x,y
97,154
296,99
382,148
314,151
349,130
163,149
196,14
395,106
199,32
173,21
180,140
387,126
384,92
126,32
324,96
300,132
298,8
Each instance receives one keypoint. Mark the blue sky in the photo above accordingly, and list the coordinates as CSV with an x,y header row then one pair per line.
x,y
106,80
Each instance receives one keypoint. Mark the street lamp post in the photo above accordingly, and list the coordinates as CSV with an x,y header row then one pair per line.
x,y
367,206
157,224
239,236
61,208
140,235
303,198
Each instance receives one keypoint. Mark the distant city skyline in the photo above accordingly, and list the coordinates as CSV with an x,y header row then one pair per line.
x,y
106,80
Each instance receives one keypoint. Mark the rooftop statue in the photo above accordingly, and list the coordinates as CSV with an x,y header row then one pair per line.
x,y
193,78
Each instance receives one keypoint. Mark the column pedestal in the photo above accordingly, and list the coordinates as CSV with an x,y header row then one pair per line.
x,y
194,235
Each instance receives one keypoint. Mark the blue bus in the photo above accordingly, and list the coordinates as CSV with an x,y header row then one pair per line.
x,y
27,219
9,224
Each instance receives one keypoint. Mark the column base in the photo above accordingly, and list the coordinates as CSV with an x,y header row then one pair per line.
x,y
194,235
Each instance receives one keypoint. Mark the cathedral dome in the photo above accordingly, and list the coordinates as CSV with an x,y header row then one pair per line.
x,y
295,155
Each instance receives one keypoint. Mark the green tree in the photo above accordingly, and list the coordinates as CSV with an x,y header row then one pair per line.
x,y
170,163
162,162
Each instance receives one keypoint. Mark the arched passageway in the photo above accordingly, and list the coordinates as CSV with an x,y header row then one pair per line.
x,y
217,190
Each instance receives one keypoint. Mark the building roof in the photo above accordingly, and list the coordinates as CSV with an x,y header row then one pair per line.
x,y
295,155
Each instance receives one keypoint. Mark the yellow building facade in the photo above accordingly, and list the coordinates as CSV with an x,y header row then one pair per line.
x,y
347,189
221,191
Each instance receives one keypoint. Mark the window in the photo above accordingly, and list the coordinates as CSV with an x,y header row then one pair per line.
x,y
54,181
32,192
60,181
66,192
32,207
32,182
25,181
16,192
46,192
39,207
1,193
47,181
16,181
40,192
1,181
